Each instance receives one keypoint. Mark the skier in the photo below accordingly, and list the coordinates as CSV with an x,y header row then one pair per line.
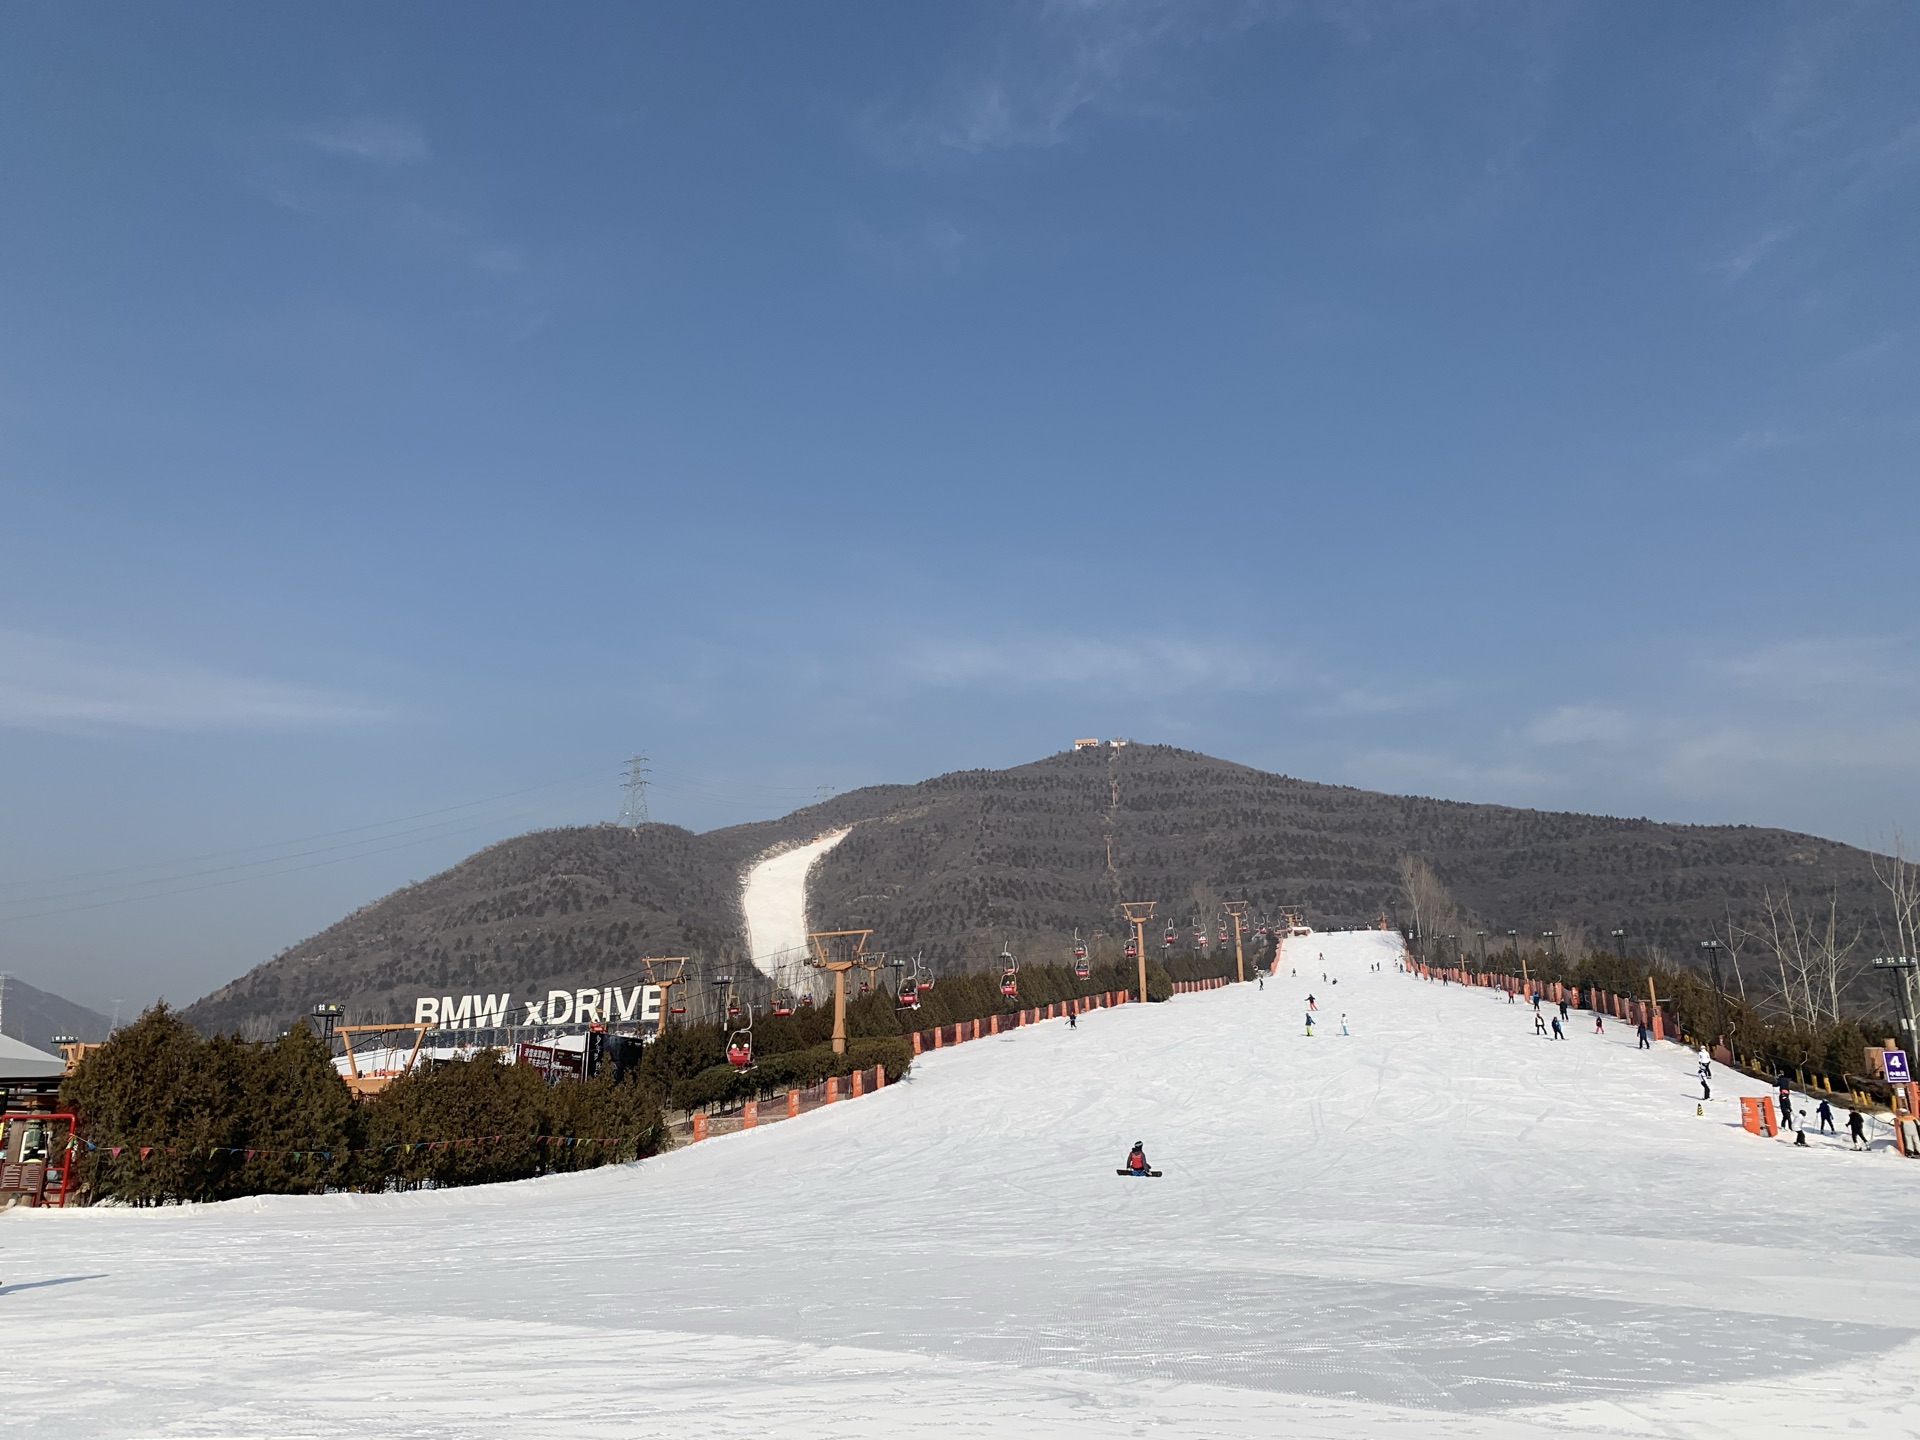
x,y
1786,1107
1825,1112
1706,1090
1137,1158
1857,1129
1263,981
1563,1010
1598,1028
1072,1022
1536,1002
1309,1024
1558,1033
1539,1025
1312,1004
1641,1039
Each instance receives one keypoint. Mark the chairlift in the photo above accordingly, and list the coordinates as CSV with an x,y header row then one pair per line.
x,y
783,1001
1223,934
1133,950
740,1049
806,1000
1009,975
1167,943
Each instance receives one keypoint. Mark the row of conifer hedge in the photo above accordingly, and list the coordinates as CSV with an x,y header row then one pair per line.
x,y
169,1116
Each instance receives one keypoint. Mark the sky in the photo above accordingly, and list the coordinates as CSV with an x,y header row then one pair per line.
x,y
407,413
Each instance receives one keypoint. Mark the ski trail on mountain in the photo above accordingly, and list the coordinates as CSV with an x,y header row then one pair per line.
x,y
773,898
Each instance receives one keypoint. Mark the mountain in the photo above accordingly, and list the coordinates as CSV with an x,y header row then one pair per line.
x,y
962,864
36,1016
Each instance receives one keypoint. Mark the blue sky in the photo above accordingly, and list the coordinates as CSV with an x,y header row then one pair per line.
x,y
406,413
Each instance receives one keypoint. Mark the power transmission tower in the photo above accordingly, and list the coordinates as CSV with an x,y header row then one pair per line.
x,y
634,812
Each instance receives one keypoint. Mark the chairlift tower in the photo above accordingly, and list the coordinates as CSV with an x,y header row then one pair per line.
x,y
666,979
1138,912
1237,912
837,952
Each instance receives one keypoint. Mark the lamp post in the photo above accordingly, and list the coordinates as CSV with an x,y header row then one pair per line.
x,y
1481,936
1553,943
1619,943
1713,949
328,1015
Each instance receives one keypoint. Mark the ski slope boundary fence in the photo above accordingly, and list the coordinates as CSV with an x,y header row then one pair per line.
x,y
941,1036
750,1114
1620,1007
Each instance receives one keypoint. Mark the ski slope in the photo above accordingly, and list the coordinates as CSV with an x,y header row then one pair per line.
x,y
773,898
1436,1226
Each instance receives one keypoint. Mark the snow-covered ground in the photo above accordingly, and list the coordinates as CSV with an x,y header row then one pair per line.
x,y
774,899
1436,1226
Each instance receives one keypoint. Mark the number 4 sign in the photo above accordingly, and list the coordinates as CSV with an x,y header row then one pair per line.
x,y
1897,1072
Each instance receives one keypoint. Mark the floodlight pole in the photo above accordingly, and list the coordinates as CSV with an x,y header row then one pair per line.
x,y
1237,909
1138,912
838,968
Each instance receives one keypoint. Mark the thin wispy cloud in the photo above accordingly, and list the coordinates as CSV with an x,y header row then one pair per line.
x,y
1148,666
52,684
1069,60
378,140
1735,267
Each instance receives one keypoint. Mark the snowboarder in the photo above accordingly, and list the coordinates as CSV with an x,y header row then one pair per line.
x,y
1072,1022
1343,1022
1263,981
1558,1033
1539,1025
1137,1158
1706,1090
1857,1129
1536,1002
1642,1040
1309,1024
1825,1112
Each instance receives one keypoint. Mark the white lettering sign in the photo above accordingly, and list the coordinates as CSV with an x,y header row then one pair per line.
x,y
608,1005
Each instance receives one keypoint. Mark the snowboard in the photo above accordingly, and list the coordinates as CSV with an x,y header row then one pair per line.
x,y
1143,1174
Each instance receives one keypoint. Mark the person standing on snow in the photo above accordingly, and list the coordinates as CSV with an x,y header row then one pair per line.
x,y
1539,1025
1641,1040
1825,1112
1309,1024
1072,1023
1857,1129
1563,1011
1598,1027
1558,1033
1343,1022
1312,1004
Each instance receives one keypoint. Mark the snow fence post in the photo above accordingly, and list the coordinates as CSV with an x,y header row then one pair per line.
x,y
699,1126
750,1115
936,1037
833,1088
916,1042
879,1075
858,1088
793,1103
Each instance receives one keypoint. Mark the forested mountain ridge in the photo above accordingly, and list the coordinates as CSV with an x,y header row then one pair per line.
x,y
959,865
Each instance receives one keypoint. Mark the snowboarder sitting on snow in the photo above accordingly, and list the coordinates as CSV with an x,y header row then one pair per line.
x,y
1137,1158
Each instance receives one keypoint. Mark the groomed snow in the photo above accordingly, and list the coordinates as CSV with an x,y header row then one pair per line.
x,y
773,898
1438,1225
